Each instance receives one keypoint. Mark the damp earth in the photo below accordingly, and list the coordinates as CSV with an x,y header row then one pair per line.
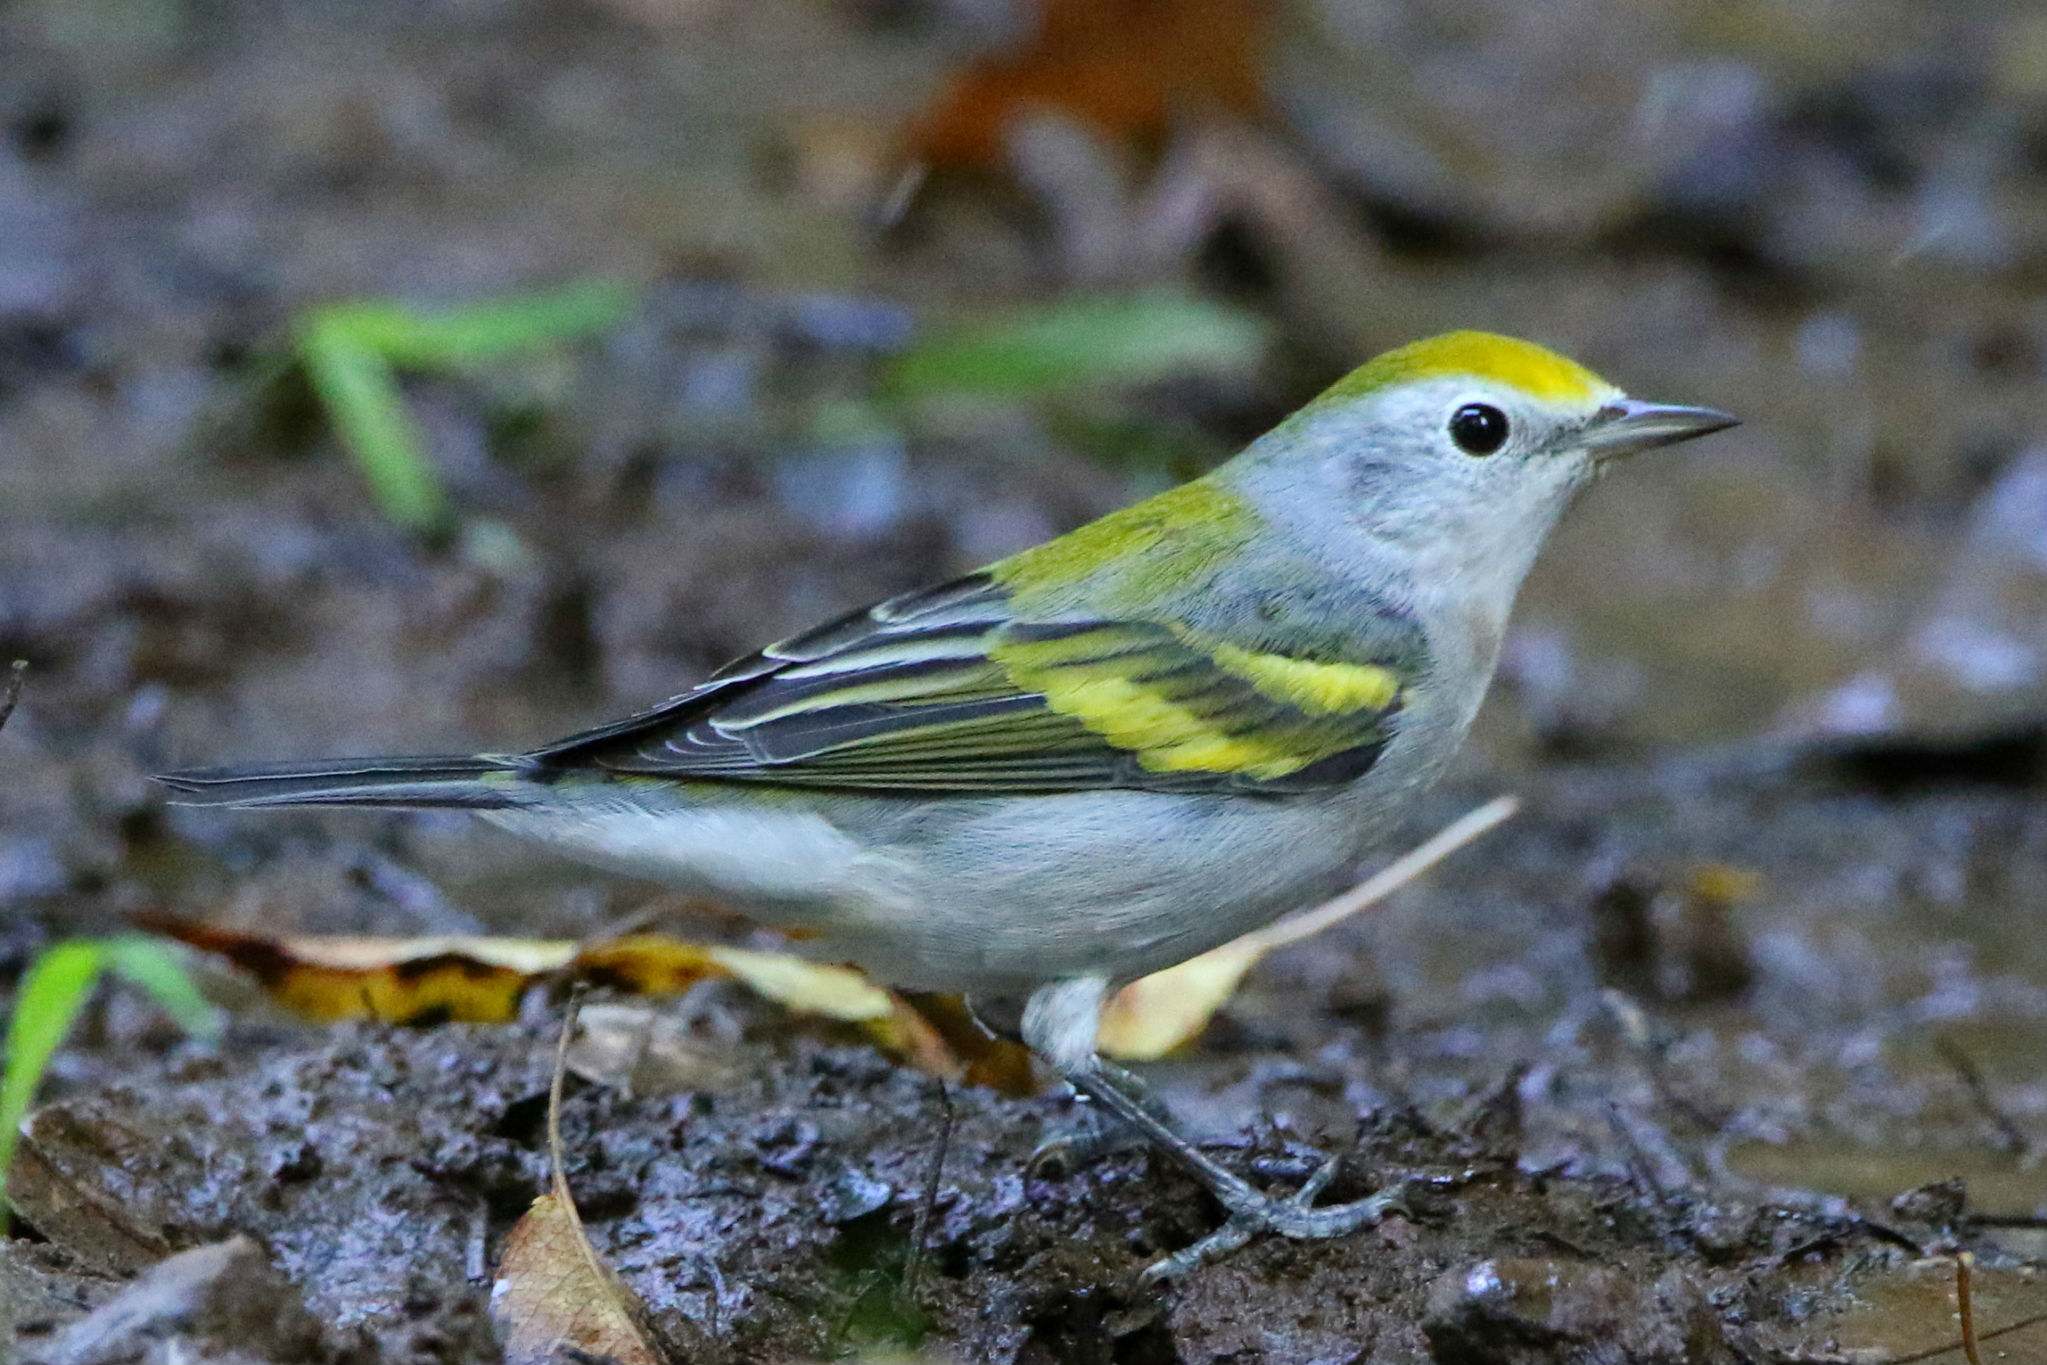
x,y
1731,1046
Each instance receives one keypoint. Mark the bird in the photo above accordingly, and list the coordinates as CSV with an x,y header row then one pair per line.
x,y
1107,753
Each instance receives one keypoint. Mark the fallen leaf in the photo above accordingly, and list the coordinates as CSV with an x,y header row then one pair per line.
x,y
1126,69
961,1047
63,1182
642,1051
480,980
1155,1014
403,981
806,987
554,1298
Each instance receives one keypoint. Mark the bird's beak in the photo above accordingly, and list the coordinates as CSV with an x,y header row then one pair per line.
x,y
1630,425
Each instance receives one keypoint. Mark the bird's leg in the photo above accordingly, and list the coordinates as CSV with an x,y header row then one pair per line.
x,y
1059,1023
1095,1135
1091,1135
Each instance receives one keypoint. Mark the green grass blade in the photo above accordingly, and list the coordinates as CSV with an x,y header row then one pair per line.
x,y
361,395
52,992
427,339
1084,342
485,331
159,970
352,352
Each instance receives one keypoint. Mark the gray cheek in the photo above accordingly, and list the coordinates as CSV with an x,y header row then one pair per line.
x,y
1388,493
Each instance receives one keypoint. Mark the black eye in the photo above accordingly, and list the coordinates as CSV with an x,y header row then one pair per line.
x,y
1478,428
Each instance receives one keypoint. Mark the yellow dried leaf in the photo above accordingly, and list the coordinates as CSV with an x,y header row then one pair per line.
x,y
1155,1014
480,980
807,987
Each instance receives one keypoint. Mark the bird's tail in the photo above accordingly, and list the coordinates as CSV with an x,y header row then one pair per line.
x,y
482,782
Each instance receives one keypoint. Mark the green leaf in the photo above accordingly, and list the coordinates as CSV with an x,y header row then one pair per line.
x,y
362,398
159,969
428,339
353,351
52,992
1084,342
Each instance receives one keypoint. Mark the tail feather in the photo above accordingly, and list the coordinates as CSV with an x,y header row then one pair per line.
x,y
482,782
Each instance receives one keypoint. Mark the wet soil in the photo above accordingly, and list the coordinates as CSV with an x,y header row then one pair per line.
x,y
1749,1165
1719,1052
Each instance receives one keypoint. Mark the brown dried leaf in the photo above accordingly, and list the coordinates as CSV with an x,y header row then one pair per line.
x,y
641,1051
62,1183
401,981
553,1296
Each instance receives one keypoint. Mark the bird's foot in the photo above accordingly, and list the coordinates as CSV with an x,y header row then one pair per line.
x,y
1252,1211
1075,1150
1093,1134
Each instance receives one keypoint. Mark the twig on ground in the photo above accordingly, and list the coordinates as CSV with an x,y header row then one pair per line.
x,y
1642,1168
1971,1341
558,1168
929,1202
1945,1347
1965,1262
716,1279
2010,1137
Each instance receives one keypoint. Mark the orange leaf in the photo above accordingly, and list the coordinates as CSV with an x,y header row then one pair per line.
x,y
960,1047
1124,68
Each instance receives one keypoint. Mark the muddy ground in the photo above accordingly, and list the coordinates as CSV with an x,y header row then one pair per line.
x,y
1721,1051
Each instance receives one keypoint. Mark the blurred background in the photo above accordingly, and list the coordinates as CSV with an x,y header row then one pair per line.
x,y
773,309
379,377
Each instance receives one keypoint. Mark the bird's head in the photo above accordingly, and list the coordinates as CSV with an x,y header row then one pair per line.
x,y
1467,438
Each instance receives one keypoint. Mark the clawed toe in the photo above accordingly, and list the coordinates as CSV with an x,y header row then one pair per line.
x,y
1056,1158
1294,1215
1251,1210
1075,1150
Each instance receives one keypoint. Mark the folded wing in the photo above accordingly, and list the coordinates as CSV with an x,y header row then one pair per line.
x,y
948,690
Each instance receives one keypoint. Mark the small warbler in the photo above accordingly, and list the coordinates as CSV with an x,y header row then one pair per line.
x,y
1110,752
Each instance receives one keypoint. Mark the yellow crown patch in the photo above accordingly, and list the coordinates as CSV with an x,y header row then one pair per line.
x,y
1518,364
